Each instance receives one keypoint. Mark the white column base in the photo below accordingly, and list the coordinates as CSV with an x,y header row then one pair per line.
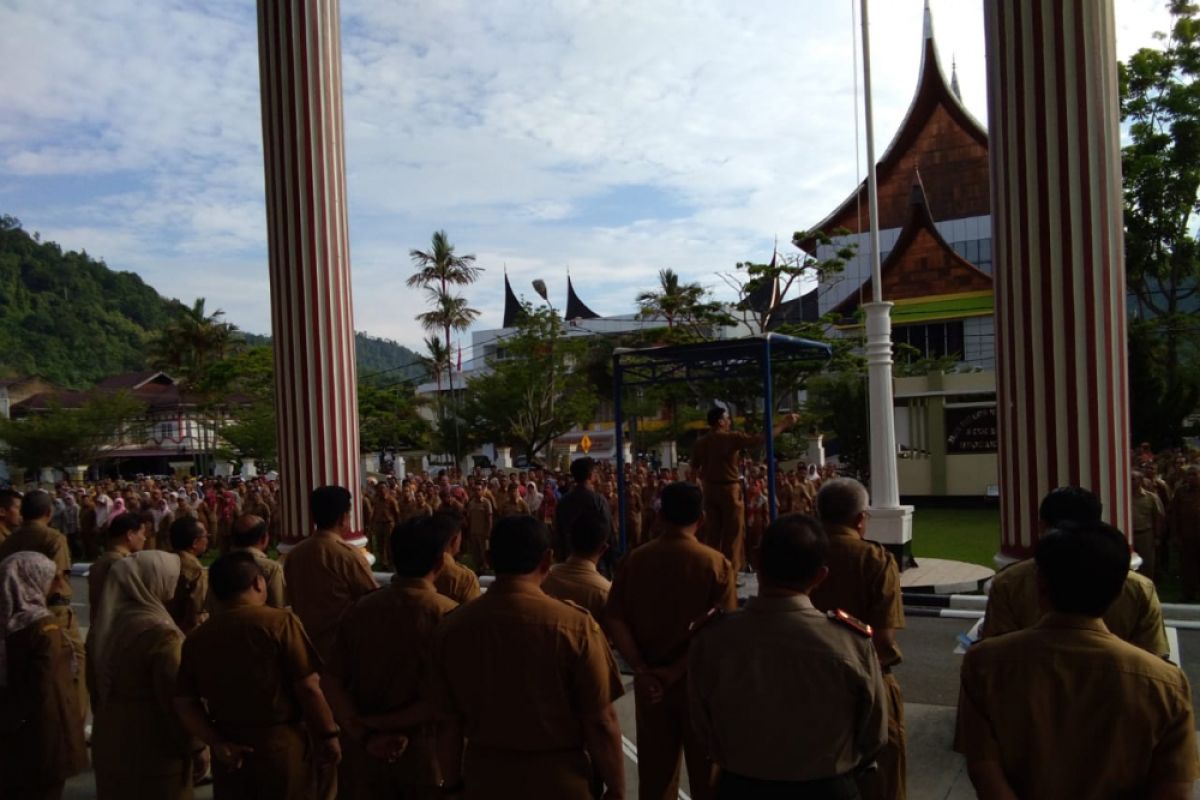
x,y
892,528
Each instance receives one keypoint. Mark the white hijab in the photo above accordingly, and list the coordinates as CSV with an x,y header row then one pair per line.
x,y
136,593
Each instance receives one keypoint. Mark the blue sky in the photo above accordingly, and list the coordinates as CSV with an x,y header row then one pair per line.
x,y
611,138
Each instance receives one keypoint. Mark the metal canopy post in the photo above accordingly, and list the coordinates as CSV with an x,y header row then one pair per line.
x,y
619,442
768,427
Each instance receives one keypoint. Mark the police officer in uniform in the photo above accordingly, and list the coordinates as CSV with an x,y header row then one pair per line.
x,y
1065,708
714,465
539,717
864,581
771,734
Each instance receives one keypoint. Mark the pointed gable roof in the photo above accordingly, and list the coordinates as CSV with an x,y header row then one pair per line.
x,y
921,264
576,308
512,306
938,135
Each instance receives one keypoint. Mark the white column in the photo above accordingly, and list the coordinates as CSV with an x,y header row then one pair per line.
x,y
816,450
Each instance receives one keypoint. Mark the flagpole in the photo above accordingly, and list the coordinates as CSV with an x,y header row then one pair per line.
x,y
891,523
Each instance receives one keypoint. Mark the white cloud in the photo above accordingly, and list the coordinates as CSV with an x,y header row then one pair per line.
x,y
132,129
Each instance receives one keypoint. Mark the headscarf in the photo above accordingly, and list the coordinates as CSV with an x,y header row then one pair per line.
x,y
25,580
136,593
118,508
103,509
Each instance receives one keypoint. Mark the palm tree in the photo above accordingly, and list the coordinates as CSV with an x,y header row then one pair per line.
x,y
193,341
450,312
437,359
673,299
437,269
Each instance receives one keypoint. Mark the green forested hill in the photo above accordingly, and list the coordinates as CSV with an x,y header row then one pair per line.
x,y
69,318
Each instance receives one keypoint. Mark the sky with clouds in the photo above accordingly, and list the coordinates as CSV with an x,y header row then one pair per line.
x,y
613,139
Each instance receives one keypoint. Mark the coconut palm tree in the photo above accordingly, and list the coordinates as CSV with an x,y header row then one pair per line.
x,y
672,300
438,269
193,342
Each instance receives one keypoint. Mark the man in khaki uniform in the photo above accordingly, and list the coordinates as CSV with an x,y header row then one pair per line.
x,y
539,719
1135,616
325,573
454,580
251,534
126,534
864,581
189,540
577,579
1148,517
379,676
714,465
479,514
659,591
766,729
247,679
36,534
10,512
1183,525
1037,707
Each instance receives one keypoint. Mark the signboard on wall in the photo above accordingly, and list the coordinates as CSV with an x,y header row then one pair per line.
x,y
971,430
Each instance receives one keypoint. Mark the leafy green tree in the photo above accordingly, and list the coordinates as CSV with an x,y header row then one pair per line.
x,y
537,392
687,308
388,417
837,402
1160,105
193,342
62,437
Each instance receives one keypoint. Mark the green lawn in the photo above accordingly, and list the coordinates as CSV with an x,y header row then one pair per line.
x,y
959,534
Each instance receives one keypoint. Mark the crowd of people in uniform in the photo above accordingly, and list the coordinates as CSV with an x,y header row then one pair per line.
x,y
302,677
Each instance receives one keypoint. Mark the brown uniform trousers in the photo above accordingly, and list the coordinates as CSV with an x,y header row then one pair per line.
x,y
1183,521
725,521
864,581
548,666
658,591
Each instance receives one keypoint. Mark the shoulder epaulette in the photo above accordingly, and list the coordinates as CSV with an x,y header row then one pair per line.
x,y
49,626
594,624
853,623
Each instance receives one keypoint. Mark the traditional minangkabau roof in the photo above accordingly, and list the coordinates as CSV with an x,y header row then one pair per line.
x,y
938,135
576,308
922,266
512,306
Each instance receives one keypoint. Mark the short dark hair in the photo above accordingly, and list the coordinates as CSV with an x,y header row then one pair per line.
x,y
582,468
1083,567
184,533
451,519
328,504
124,524
518,543
682,503
1070,504
417,545
36,505
247,535
587,534
232,574
9,498
794,548
714,415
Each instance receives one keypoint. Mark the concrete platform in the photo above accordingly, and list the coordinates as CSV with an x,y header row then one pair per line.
x,y
942,576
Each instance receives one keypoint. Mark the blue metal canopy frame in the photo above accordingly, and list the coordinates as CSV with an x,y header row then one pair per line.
x,y
721,359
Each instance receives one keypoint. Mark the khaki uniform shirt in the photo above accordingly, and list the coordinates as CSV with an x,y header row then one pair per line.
x,y
578,580
546,666
758,720
1147,511
191,600
479,518
43,539
243,663
1069,710
863,581
663,586
97,575
456,581
325,576
1135,616
715,455
382,655
1183,515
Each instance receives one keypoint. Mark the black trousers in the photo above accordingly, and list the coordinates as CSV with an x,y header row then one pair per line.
x,y
739,787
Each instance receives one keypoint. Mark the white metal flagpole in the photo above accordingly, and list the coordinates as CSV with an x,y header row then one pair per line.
x,y
891,523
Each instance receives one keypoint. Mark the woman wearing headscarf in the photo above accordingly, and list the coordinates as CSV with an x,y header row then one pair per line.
x,y
41,727
139,748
